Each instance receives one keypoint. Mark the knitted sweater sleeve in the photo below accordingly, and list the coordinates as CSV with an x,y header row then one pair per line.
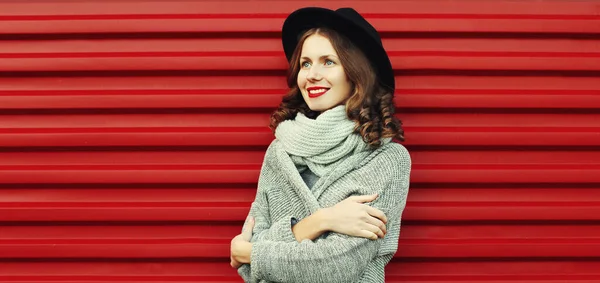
x,y
337,258
264,229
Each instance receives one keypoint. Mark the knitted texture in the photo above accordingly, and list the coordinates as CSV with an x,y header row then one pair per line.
x,y
321,143
333,257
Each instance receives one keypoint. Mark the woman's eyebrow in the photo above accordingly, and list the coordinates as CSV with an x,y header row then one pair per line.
x,y
320,58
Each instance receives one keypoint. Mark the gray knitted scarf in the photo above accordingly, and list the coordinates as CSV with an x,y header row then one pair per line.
x,y
322,143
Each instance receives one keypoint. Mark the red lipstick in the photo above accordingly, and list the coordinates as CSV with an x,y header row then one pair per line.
x,y
316,91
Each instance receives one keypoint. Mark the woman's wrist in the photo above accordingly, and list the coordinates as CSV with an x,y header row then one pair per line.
x,y
243,252
323,220
312,226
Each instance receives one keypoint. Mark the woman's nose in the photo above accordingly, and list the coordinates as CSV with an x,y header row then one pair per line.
x,y
314,74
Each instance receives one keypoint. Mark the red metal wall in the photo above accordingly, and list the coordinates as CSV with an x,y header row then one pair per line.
x,y
131,135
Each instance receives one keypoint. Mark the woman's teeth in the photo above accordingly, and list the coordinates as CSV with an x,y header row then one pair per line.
x,y
317,91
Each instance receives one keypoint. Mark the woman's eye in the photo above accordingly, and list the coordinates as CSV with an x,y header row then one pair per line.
x,y
329,63
305,64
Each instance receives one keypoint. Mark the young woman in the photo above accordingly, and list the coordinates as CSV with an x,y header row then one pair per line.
x,y
333,185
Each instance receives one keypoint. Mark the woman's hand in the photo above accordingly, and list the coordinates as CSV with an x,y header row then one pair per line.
x,y
354,218
241,248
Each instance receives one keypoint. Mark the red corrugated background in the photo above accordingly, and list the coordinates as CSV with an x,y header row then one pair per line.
x,y
131,135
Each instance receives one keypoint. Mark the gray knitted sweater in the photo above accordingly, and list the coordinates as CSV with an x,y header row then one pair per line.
x,y
282,194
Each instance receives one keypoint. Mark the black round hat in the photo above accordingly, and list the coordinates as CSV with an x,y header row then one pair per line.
x,y
347,22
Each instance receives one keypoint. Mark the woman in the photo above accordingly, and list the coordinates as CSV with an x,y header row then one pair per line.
x,y
333,186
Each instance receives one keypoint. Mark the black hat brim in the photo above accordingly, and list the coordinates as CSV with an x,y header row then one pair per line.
x,y
313,17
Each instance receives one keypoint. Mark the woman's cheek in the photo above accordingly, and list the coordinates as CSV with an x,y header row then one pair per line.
x,y
301,77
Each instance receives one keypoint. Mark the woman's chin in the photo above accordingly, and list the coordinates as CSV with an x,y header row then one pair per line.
x,y
317,108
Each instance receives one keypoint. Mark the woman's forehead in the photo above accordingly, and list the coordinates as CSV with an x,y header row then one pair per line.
x,y
316,46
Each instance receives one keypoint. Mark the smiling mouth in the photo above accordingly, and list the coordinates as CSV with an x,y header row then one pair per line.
x,y
312,93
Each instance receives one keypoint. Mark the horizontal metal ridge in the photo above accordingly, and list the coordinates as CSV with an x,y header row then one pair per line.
x,y
173,158
265,92
260,83
267,16
504,7
119,203
212,241
416,136
264,47
538,271
267,54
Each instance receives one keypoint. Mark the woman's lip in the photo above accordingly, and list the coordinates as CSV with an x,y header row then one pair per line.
x,y
308,90
316,94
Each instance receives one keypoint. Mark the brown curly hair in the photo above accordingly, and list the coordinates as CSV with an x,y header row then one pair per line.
x,y
370,105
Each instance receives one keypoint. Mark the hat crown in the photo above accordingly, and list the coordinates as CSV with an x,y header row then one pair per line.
x,y
353,16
